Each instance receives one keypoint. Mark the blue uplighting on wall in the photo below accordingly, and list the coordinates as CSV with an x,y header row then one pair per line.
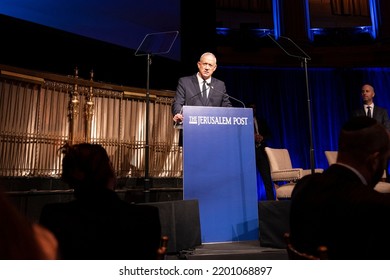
x,y
276,17
259,32
372,30
374,17
362,33
223,31
308,27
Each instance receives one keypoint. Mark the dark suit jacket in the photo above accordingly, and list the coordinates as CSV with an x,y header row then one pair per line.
x,y
335,209
105,228
379,113
189,93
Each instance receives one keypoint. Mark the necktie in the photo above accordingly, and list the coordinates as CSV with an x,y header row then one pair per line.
x,y
369,111
204,91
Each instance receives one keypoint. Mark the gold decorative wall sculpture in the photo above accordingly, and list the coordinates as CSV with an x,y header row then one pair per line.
x,y
38,115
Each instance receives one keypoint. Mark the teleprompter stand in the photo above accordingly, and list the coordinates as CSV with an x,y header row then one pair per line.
x,y
293,50
153,43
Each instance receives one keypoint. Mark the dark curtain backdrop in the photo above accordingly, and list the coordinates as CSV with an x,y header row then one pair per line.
x,y
281,98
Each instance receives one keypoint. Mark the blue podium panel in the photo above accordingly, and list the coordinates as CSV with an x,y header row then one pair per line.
x,y
220,171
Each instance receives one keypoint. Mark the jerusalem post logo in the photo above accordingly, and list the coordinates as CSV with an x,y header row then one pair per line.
x,y
217,120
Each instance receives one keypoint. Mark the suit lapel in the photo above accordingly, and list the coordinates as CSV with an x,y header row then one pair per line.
x,y
197,95
376,114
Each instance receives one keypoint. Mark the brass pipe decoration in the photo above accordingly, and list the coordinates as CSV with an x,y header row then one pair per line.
x,y
89,108
73,110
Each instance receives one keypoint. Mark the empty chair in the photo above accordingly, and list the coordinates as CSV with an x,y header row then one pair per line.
x,y
282,172
331,157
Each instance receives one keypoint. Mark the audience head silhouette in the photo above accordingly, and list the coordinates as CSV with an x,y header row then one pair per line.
x,y
364,144
87,168
98,224
340,208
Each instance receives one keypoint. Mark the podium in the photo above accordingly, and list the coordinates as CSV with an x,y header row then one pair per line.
x,y
219,170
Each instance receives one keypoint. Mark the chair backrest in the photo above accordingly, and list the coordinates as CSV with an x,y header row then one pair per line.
x,y
279,159
294,254
162,250
331,156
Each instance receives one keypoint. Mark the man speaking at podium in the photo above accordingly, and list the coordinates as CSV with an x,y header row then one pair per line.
x,y
210,118
200,89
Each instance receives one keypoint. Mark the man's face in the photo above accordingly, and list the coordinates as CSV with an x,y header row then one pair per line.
x,y
367,94
207,67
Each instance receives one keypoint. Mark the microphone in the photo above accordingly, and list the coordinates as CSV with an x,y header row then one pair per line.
x,y
199,93
231,97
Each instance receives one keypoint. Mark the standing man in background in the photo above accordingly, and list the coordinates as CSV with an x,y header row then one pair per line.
x,y
370,110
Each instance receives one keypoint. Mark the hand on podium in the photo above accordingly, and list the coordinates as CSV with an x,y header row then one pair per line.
x,y
178,119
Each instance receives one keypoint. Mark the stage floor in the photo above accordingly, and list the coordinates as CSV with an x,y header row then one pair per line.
x,y
244,250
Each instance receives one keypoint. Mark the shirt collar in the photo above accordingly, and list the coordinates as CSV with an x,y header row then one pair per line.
x,y
200,79
364,181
